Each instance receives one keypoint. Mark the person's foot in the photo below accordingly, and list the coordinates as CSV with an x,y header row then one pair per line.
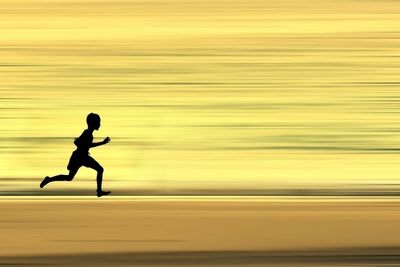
x,y
44,182
101,193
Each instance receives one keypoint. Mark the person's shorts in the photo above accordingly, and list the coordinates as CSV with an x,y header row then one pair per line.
x,y
79,159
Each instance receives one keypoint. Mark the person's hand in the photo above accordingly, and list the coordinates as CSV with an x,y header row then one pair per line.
x,y
106,140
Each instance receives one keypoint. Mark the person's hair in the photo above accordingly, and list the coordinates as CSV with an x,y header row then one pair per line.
x,y
92,119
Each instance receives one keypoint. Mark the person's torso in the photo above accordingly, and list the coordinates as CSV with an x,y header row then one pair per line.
x,y
83,142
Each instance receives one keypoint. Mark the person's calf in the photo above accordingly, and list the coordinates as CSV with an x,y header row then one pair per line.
x,y
45,181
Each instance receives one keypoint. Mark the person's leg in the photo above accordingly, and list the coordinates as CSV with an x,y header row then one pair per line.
x,y
60,177
93,164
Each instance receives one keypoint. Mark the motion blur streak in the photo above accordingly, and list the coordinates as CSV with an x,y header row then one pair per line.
x,y
198,96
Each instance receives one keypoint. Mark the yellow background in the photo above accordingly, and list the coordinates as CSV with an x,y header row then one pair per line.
x,y
211,95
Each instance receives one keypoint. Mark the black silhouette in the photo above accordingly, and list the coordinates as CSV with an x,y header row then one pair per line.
x,y
80,157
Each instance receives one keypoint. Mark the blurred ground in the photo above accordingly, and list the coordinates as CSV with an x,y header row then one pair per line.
x,y
204,231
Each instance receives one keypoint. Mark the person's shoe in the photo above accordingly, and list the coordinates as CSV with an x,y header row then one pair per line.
x,y
44,182
101,193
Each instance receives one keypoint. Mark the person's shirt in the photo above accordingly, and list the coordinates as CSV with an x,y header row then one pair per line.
x,y
84,141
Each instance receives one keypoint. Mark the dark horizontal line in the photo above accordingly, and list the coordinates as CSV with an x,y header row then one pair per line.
x,y
378,256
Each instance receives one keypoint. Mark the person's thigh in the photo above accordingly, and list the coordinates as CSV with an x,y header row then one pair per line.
x,y
72,172
92,163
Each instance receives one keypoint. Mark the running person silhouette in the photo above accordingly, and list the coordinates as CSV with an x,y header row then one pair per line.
x,y
80,157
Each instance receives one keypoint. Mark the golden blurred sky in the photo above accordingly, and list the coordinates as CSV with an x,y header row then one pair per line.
x,y
202,94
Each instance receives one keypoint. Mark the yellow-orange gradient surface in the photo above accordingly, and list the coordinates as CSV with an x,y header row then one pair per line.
x,y
199,231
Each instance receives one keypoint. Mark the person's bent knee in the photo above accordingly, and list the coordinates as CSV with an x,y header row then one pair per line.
x,y
71,176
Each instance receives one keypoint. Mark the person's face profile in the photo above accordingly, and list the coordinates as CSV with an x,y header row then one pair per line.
x,y
97,125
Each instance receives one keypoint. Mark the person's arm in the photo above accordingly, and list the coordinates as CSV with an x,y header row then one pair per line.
x,y
105,141
97,144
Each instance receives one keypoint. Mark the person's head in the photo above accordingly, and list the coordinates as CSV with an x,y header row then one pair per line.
x,y
93,121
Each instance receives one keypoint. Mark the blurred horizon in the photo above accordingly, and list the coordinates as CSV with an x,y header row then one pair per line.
x,y
202,97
